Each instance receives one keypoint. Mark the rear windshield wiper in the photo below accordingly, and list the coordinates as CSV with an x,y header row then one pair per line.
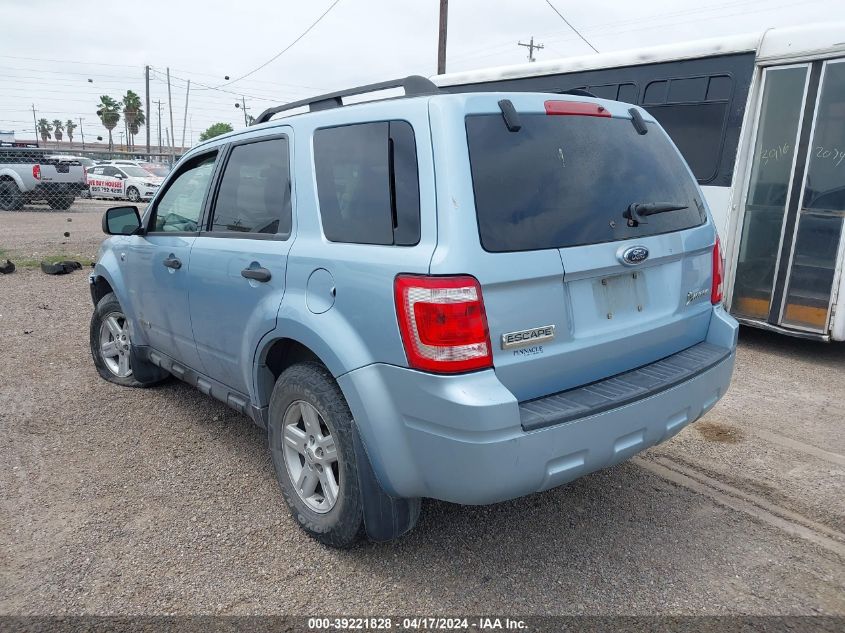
x,y
638,211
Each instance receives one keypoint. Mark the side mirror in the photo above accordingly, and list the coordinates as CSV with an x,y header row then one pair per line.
x,y
118,176
121,221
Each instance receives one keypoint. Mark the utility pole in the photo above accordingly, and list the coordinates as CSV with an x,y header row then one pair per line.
x,y
147,72
441,42
35,125
242,105
158,103
185,120
82,132
531,48
170,105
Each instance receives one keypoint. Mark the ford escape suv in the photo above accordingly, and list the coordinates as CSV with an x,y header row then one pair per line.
x,y
469,297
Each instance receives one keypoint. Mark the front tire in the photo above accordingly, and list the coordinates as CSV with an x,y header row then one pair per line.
x,y
111,347
133,195
311,435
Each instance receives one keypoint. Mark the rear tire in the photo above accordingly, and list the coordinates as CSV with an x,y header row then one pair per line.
x,y
309,422
11,198
61,203
111,348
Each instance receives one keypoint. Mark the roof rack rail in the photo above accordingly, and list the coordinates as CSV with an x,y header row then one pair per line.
x,y
414,86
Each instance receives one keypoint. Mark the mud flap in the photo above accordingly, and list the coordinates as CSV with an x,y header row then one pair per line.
x,y
386,518
143,370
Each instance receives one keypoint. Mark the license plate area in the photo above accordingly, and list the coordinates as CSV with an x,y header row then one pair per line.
x,y
621,296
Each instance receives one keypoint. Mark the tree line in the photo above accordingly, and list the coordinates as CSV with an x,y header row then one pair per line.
x,y
109,111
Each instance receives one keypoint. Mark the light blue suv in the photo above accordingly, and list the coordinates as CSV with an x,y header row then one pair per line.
x,y
469,297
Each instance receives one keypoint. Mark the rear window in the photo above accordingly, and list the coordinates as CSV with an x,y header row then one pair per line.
x,y
565,181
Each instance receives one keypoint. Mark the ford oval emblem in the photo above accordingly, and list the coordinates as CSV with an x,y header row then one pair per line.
x,y
634,255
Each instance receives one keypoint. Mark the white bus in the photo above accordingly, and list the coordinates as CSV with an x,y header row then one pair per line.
x,y
761,121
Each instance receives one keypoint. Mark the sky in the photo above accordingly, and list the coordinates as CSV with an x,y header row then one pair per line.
x,y
61,56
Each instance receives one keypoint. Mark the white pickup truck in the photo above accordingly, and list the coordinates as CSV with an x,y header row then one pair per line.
x,y
27,175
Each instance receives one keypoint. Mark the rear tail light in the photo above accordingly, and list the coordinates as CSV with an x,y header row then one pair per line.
x,y
718,273
36,172
443,323
576,108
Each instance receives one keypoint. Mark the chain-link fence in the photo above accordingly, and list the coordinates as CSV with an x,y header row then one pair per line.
x,y
43,178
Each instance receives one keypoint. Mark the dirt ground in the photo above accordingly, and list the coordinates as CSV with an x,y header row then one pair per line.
x,y
163,501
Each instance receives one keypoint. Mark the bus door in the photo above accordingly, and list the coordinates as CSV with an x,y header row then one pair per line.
x,y
791,240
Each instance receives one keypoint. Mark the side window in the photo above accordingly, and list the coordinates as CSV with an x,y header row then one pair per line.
x,y
254,194
180,206
368,183
693,111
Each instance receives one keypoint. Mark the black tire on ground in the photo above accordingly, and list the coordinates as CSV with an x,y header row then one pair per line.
x,y
61,203
133,194
151,374
11,198
312,383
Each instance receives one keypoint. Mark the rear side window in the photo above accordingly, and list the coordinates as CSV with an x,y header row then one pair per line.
x,y
368,183
565,181
254,194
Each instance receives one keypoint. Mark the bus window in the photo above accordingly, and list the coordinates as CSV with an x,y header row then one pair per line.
x,y
627,93
655,92
691,90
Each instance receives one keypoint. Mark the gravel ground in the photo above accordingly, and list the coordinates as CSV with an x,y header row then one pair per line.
x,y
40,232
163,501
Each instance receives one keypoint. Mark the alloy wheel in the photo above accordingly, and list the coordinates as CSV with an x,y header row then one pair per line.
x,y
311,456
115,344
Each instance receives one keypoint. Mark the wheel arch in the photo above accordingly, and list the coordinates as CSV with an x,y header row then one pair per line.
x,y
10,174
275,355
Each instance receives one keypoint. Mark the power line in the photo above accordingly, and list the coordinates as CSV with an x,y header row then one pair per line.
x,y
548,2
285,49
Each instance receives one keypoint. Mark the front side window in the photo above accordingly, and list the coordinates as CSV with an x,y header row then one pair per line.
x,y
254,195
180,207
368,183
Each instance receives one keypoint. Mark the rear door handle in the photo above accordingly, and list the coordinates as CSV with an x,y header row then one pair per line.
x,y
172,262
258,274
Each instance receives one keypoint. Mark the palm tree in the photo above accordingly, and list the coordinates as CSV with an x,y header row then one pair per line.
x,y
135,126
70,126
109,112
44,129
132,114
58,130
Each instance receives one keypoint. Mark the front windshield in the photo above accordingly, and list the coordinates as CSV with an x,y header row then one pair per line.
x,y
135,172
157,170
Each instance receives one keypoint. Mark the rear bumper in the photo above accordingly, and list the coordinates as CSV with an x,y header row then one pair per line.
x,y
45,189
461,438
